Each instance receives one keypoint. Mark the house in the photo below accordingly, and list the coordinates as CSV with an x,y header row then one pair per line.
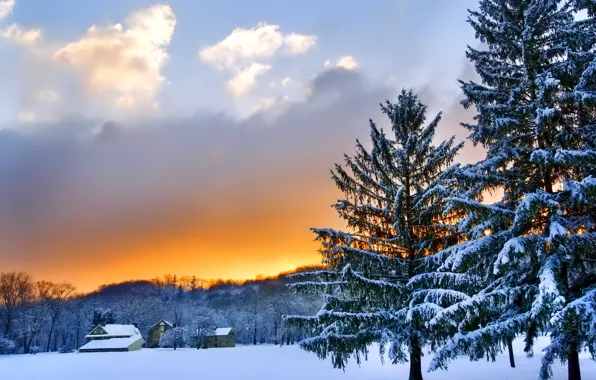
x,y
157,331
223,337
113,338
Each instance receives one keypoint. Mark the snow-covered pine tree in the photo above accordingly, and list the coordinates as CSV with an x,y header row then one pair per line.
x,y
393,209
586,5
532,251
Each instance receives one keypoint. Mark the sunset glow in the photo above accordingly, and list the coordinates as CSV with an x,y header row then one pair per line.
x,y
145,141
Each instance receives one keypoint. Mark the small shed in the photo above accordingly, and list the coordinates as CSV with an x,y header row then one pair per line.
x,y
223,337
113,338
156,332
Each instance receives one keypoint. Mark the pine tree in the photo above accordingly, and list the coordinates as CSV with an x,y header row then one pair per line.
x,y
588,5
393,209
531,250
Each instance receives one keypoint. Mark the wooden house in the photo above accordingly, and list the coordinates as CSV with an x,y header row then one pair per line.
x,y
223,337
156,332
113,338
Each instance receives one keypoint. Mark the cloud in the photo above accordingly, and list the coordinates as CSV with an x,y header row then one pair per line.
x,y
286,81
248,189
124,60
246,79
243,51
27,117
25,37
219,196
247,45
14,33
265,104
346,62
299,43
6,7
49,96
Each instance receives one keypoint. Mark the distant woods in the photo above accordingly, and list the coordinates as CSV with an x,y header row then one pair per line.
x,y
191,283
42,316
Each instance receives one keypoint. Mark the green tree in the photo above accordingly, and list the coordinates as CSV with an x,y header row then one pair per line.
x,y
393,209
530,250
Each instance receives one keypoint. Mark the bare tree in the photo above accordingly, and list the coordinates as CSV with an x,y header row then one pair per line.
x,y
16,290
29,324
173,338
53,298
202,325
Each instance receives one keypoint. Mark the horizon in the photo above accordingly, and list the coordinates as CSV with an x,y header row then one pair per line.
x,y
145,138
207,282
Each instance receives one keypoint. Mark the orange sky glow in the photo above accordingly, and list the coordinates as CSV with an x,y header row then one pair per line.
x,y
208,195
269,237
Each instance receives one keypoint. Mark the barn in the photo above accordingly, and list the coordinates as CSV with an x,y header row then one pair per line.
x,y
156,332
223,337
113,338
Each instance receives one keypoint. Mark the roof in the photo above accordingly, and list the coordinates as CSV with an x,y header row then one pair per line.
x,y
110,343
223,331
164,321
116,330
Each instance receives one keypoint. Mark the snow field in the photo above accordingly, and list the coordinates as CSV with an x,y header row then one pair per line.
x,y
260,362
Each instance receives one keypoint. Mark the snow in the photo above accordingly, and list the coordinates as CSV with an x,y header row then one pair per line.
x,y
124,336
164,321
556,230
264,363
117,330
110,343
223,331
549,293
514,245
544,113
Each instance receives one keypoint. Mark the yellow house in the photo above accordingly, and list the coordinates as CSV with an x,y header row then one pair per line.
x,y
113,338
223,337
156,332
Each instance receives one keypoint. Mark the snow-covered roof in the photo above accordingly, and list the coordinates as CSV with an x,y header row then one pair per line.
x,y
223,331
116,330
164,321
110,343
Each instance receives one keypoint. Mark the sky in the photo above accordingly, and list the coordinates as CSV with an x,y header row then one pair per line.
x,y
140,138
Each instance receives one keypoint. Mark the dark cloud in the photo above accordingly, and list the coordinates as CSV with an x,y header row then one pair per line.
x,y
87,200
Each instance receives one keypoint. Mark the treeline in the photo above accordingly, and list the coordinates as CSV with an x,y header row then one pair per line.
x,y
192,283
41,316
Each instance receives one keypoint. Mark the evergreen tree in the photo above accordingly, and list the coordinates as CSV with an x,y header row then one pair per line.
x,y
393,209
588,5
530,249
102,316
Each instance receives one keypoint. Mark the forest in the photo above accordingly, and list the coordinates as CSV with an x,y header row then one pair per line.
x,y
42,316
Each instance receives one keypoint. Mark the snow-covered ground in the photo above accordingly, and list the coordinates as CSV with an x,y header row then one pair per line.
x,y
256,362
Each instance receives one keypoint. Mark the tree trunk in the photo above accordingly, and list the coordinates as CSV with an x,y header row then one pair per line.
x,y
50,335
78,334
511,357
573,372
415,360
7,323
